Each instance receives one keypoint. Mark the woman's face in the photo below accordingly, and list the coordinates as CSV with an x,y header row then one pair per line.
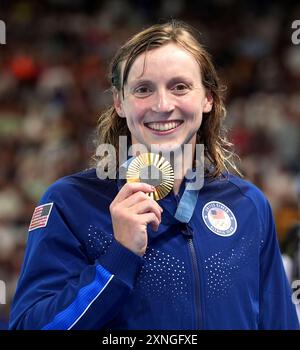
x,y
164,98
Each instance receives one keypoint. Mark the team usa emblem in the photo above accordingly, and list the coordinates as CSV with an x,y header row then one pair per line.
x,y
219,219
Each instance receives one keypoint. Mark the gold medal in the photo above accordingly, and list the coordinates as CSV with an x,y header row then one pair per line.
x,y
153,169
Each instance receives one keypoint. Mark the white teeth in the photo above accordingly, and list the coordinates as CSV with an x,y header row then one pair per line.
x,y
163,126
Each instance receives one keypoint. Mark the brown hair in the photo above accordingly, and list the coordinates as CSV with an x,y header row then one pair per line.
x,y
211,133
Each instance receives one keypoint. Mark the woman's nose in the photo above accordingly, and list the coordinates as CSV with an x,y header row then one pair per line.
x,y
162,103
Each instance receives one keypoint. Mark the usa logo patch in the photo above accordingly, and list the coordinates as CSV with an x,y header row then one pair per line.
x,y
219,219
40,216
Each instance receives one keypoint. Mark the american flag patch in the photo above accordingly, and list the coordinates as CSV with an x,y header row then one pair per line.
x,y
218,214
40,216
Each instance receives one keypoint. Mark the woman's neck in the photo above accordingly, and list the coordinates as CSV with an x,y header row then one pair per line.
x,y
180,167
177,184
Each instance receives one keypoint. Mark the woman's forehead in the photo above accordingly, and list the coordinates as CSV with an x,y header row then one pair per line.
x,y
170,59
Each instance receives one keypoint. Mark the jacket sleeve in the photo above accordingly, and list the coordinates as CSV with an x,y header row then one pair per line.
x,y
276,308
59,288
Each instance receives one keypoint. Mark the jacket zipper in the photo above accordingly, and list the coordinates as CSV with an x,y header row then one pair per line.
x,y
195,270
196,277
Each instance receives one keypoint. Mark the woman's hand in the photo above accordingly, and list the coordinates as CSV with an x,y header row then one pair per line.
x,y
131,211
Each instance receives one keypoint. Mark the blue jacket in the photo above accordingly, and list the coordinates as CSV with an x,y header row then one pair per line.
x,y
221,270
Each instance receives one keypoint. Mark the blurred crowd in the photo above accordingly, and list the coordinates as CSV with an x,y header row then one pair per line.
x,y
53,86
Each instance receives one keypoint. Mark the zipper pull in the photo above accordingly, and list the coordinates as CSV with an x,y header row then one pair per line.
x,y
187,231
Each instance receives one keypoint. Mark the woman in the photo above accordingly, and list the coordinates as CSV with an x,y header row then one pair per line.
x,y
102,254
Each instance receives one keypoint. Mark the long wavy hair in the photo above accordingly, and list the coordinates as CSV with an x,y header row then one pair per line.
x,y
217,150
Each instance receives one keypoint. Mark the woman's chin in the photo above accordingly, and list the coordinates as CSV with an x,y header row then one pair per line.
x,y
166,148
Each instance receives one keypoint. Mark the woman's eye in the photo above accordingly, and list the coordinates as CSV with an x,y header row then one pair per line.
x,y
142,91
180,88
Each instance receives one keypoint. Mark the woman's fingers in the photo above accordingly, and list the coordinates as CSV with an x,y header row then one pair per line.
x,y
131,211
150,218
146,206
130,188
138,197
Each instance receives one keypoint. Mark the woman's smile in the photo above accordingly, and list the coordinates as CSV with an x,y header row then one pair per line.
x,y
164,128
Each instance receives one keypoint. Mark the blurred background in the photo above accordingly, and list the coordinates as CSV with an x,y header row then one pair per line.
x,y
53,86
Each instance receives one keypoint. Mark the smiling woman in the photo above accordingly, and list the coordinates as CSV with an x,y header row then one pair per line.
x,y
106,255
164,98
164,84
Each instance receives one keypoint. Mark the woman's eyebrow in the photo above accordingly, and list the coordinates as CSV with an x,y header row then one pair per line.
x,y
140,81
175,79
181,78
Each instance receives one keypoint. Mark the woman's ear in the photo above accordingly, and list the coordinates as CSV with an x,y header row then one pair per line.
x,y
118,102
208,103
